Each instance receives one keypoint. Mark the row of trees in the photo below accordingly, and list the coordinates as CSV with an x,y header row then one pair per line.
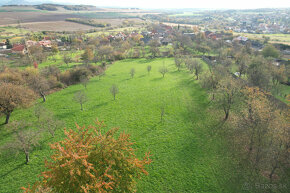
x,y
255,122
19,88
26,135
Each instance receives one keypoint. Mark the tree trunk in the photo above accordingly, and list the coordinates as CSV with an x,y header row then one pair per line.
x,y
43,97
27,157
227,116
272,172
227,112
81,106
7,118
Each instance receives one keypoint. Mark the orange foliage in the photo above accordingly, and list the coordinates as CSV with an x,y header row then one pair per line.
x,y
89,161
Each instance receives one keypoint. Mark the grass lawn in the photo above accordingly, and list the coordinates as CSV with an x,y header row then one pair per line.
x,y
284,91
57,60
187,155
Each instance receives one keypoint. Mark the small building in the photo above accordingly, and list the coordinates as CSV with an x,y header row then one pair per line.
x,y
241,39
191,35
45,43
121,35
3,45
165,41
212,36
18,49
31,43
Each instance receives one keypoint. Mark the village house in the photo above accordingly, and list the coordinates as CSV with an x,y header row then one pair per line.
x,y
3,45
31,43
241,39
18,49
212,36
166,41
45,43
121,35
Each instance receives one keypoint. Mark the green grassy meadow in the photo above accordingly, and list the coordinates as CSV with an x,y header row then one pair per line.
x,y
187,155
274,38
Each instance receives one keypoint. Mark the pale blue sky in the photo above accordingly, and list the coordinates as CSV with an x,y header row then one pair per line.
x,y
232,4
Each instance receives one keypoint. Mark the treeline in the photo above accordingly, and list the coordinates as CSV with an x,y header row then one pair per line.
x,y
19,88
47,7
254,124
241,83
91,22
78,7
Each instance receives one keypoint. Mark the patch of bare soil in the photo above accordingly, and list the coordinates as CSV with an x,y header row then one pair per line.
x,y
28,17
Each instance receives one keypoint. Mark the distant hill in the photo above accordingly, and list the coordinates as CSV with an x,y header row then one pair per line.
x,y
22,2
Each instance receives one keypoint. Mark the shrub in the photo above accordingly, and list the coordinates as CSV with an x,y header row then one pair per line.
x,y
89,161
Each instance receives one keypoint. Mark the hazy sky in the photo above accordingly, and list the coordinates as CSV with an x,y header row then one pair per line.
x,y
236,4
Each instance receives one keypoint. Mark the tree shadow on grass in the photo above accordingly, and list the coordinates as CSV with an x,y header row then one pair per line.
x,y
204,148
145,61
174,72
150,129
6,135
69,92
142,76
157,79
17,167
64,115
100,105
125,79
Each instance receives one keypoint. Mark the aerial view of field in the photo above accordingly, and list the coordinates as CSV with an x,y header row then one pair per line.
x,y
146,97
173,147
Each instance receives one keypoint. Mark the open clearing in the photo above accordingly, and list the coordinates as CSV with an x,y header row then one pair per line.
x,y
187,156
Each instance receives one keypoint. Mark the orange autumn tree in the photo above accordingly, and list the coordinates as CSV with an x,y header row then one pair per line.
x,y
89,161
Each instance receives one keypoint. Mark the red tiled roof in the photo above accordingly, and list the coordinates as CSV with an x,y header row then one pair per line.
x,y
46,38
18,48
45,42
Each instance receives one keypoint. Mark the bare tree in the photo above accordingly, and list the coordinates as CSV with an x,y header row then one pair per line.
x,y
228,89
132,72
114,90
39,84
40,111
197,66
154,50
163,70
25,139
191,68
81,98
84,80
178,63
148,69
67,59
50,123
